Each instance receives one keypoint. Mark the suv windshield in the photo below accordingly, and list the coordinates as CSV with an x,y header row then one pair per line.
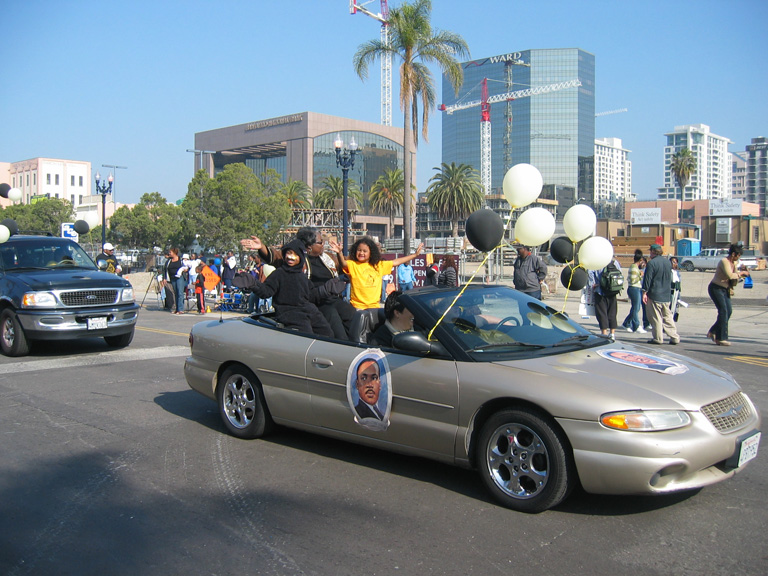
x,y
43,253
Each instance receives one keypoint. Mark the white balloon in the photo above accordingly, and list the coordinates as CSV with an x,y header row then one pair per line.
x,y
4,233
595,253
534,227
579,222
522,185
92,218
14,194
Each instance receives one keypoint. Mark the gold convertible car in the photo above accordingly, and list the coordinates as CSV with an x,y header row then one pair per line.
x,y
489,379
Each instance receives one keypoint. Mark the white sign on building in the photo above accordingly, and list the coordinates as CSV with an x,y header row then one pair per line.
x,y
645,216
725,207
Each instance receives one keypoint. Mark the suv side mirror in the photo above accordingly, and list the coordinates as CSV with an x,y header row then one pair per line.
x,y
101,263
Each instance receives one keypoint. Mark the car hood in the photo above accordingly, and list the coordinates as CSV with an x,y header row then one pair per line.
x,y
68,279
594,378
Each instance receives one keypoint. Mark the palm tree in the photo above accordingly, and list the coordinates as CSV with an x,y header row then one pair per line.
x,y
333,189
682,167
298,194
415,44
454,193
386,195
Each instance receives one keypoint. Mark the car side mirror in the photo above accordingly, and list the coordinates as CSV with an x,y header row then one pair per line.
x,y
417,342
101,263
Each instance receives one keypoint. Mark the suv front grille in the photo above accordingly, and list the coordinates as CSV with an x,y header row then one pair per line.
x,y
88,297
729,413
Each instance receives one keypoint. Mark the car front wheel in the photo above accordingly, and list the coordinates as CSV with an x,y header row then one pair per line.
x,y
13,341
525,461
241,403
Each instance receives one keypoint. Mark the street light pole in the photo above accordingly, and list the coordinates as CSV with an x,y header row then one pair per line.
x,y
201,152
115,168
104,189
345,160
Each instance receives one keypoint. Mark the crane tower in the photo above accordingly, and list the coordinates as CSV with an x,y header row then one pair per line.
x,y
485,117
386,58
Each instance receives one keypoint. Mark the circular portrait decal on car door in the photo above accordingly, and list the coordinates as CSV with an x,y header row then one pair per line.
x,y
369,390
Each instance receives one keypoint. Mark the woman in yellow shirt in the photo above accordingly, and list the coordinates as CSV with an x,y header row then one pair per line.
x,y
366,268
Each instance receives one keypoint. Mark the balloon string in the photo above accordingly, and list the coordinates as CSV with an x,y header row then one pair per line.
x,y
570,279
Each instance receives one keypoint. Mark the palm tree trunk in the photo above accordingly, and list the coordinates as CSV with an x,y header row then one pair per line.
x,y
407,177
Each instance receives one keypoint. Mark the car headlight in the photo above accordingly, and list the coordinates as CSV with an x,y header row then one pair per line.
x,y
127,295
646,420
38,300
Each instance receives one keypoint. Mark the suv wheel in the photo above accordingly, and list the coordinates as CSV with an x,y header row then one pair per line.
x,y
13,341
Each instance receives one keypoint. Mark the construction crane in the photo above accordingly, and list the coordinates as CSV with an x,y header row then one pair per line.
x,y
485,117
609,112
386,58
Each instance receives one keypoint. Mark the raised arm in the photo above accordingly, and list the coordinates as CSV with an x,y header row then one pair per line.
x,y
336,247
403,259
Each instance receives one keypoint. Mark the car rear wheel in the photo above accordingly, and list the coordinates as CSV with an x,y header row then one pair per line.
x,y
13,341
241,403
525,461
120,341
687,266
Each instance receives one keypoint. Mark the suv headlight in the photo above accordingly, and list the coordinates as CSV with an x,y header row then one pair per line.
x,y
38,300
646,420
127,295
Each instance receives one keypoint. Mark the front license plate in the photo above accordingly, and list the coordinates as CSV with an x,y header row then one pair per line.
x,y
748,449
97,323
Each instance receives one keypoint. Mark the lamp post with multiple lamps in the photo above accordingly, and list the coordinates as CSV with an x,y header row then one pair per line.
x,y
346,161
104,189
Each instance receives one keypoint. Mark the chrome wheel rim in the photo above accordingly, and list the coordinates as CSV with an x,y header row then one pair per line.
x,y
518,461
239,401
8,333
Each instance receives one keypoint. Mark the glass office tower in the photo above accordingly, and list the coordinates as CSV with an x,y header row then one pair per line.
x,y
555,131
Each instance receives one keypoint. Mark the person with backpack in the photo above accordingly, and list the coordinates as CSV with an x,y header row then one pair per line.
x,y
607,284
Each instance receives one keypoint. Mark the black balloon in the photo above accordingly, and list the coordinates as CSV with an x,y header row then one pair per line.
x,y
4,190
10,223
82,227
573,278
561,249
484,229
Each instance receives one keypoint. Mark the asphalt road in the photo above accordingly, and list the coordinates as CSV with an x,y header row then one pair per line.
x,y
109,464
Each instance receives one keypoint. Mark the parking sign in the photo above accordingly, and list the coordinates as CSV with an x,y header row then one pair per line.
x,y
68,231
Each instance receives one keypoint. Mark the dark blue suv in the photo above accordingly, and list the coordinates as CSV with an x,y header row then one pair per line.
x,y
50,289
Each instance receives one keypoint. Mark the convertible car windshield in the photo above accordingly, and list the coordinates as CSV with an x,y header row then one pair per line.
x,y
491,321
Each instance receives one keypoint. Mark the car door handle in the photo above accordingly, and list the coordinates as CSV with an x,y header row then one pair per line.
x,y
322,362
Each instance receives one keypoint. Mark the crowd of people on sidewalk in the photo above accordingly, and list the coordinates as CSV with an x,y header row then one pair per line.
x,y
653,287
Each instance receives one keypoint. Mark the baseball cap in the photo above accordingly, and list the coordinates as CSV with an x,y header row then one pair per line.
x,y
108,246
655,247
185,256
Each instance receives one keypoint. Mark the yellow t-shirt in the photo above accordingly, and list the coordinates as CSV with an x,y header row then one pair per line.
x,y
365,282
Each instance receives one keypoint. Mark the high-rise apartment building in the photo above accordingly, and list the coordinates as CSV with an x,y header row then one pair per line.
x,y
738,175
757,173
712,178
554,131
613,177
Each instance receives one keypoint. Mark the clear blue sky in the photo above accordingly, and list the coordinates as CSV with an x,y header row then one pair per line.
x,y
129,83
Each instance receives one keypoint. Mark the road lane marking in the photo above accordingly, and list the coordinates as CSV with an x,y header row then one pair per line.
x,y
125,355
753,360
158,331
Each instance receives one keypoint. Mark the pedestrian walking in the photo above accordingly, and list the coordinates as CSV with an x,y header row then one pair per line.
x,y
657,296
720,289
633,321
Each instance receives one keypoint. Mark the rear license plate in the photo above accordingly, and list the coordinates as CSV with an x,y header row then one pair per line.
x,y
748,450
97,323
